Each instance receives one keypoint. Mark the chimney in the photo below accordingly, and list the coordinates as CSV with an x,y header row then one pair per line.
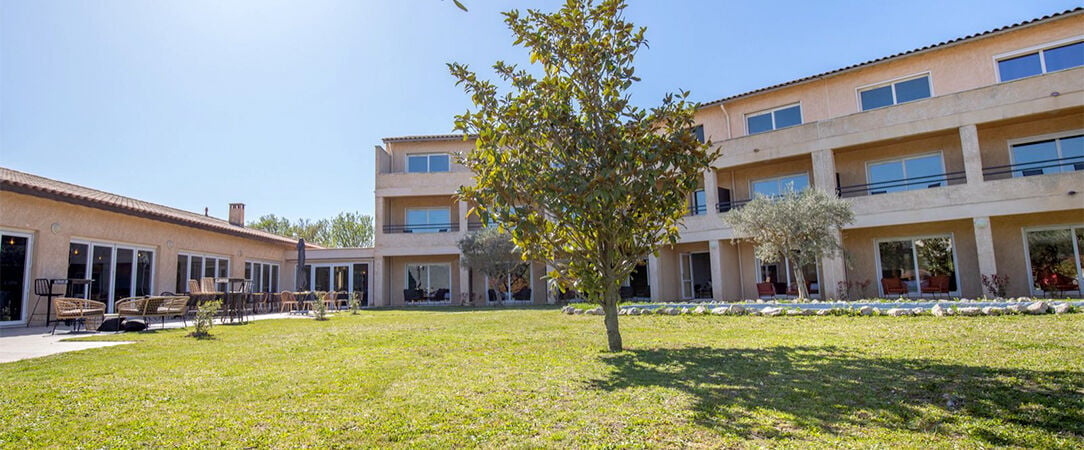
x,y
237,214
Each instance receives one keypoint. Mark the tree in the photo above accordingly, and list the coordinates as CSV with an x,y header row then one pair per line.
x,y
566,165
799,226
345,230
490,252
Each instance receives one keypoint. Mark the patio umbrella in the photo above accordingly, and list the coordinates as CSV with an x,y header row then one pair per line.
x,y
301,281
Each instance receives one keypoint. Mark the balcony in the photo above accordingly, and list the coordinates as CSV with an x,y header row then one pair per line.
x,y
426,228
1033,168
903,184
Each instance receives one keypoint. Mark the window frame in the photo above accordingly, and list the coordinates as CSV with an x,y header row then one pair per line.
x,y
771,112
251,264
893,82
428,162
914,253
1033,49
904,159
428,275
1027,252
427,227
530,284
1056,136
808,182
114,246
203,265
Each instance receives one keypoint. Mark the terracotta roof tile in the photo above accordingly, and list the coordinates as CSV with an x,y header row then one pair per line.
x,y
25,183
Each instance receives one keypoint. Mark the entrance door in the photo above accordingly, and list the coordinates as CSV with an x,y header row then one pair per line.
x,y
686,275
14,277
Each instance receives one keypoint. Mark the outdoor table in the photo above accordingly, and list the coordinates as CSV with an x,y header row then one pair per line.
x,y
233,305
69,283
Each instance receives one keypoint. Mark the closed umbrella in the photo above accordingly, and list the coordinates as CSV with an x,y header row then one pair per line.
x,y
301,281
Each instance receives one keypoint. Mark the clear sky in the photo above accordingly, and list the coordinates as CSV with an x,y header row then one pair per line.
x,y
278,104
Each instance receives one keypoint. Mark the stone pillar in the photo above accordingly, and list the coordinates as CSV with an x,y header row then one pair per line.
x,y
464,283
716,270
378,218
654,277
969,143
379,275
833,271
464,209
711,191
824,170
984,246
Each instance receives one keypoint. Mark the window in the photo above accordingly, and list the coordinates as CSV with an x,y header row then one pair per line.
x,y
118,271
916,172
773,187
436,162
915,261
781,274
1055,259
428,282
192,266
895,93
428,220
1054,154
262,277
699,132
514,286
787,116
15,251
699,203
1041,61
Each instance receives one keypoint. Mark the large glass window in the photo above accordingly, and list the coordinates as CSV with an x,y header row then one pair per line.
x,y
895,93
1054,155
428,282
775,119
699,203
781,274
199,266
260,276
116,271
772,187
428,220
915,262
437,162
360,282
1041,61
1055,258
513,287
916,172
14,276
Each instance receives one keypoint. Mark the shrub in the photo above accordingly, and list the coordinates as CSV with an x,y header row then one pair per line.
x,y
852,290
205,317
319,309
996,284
355,302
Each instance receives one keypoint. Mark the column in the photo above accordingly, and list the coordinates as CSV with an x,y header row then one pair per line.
x,y
833,271
969,143
464,283
711,191
824,170
984,245
654,277
464,209
378,219
716,270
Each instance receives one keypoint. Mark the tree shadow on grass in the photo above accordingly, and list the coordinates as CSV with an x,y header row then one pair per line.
x,y
783,392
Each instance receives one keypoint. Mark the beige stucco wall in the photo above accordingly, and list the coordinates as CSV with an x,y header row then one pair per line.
x,y
1008,236
994,137
953,69
740,179
398,152
851,162
396,207
50,250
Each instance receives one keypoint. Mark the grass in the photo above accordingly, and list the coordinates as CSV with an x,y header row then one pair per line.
x,y
531,377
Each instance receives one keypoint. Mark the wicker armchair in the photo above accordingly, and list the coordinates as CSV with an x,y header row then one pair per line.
x,y
288,300
77,311
154,307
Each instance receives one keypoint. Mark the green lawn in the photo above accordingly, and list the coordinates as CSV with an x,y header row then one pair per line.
x,y
536,378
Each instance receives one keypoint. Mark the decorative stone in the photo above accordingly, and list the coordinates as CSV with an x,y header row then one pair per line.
x,y
770,311
969,311
937,310
808,312
993,310
737,309
1061,308
1039,307
673,311
634,311
719,310
577,311
823,312
897,312
1015,308
918,311
700,310
866,310
794,312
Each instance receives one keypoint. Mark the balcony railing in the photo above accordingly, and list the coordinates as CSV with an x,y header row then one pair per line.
x,y
426,228
697,210
1047,166
903,184
727,206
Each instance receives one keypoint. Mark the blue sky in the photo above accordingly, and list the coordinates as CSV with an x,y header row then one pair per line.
x,y
278,104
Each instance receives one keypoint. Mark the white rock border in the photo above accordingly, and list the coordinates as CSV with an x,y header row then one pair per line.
x,y
1023,305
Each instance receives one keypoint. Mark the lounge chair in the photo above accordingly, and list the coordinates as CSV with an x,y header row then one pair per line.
x,y
77,311
937,284
893,286
766,289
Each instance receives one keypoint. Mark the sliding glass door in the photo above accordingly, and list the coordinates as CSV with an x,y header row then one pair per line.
x,y
116,271
14,276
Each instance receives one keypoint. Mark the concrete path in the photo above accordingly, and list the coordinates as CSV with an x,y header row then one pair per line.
x,y
18,343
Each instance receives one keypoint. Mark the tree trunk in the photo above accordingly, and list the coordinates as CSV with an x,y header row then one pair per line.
x,y
613,334
799,277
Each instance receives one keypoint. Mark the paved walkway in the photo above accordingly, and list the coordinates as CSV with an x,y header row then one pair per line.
x,y
23,343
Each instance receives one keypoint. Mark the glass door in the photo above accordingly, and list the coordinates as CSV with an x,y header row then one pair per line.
x,y
116,272
101,271
686,275
14,276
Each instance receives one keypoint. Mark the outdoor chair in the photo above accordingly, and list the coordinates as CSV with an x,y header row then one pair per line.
x,y
937,284
161,306
287,301
42,288
492,295
413,295
207,285
893,286
1056,285
522,294
77,311
766,289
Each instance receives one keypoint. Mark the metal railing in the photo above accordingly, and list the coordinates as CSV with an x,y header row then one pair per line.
x,y
903,184
426,228
727,206
1067,164
697,210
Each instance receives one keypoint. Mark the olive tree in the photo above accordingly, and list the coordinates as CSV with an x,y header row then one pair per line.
x,y
799,226
566,164
490,252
